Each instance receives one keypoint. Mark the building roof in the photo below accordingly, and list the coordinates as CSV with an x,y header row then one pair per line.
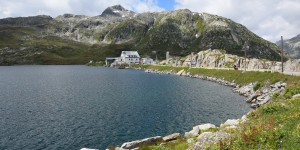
x,y
130,54
111,58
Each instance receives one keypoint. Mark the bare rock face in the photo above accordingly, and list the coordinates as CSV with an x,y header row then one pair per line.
x,y
217,58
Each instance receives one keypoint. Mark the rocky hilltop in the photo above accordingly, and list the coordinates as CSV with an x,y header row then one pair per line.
x,y
292,46
74,39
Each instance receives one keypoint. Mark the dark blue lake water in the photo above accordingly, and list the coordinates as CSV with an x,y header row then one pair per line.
x,y
70,107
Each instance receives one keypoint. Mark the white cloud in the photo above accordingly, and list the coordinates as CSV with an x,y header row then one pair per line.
x,y
267,18
16,8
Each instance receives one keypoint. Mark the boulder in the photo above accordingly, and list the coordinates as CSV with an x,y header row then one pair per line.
x,y
296,96
206,126
231,127
208,138
171,137
199,128
283,84
253,96
265,100
194,132
138,143
254,105
230,122
254,100
276,85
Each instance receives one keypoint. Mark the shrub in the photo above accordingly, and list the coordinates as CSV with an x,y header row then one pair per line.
x,y
257,86
274,107
275,95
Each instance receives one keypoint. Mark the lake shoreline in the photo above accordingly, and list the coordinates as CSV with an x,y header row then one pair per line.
x,y
246,91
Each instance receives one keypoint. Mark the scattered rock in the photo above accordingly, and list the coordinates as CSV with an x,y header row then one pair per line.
x,y
138,143
171,137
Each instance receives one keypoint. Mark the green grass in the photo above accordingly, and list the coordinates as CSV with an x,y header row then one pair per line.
x,y
239,77
273,126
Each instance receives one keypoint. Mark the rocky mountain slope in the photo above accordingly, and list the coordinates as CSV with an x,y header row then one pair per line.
x,y
117,28
291,46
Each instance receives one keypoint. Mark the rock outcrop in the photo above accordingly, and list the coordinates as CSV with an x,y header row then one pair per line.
x,y
220,59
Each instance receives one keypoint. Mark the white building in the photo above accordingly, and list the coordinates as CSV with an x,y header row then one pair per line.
x,y
147,61
129,57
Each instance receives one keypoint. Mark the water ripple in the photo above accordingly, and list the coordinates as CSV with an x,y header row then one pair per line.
x,y
70,107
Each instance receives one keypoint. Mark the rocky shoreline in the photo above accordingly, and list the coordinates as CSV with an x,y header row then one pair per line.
x,y
207,134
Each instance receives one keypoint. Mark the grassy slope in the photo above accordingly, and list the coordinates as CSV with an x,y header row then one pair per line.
x,y
49,49
272,126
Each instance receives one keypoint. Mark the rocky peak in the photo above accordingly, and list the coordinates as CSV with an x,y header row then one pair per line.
x,y
117,11
291,46
297,38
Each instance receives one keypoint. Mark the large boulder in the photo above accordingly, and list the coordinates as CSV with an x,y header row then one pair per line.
x,y
209,138
230,122
296,96
200,128
171,137
138,143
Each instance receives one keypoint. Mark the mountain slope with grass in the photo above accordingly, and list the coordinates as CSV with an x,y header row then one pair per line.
x,y
75,39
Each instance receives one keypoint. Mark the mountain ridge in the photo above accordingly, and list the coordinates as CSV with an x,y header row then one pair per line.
x,y
291,46
180,32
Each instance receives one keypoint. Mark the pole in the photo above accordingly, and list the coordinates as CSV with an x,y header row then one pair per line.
x,y
281,54
246,45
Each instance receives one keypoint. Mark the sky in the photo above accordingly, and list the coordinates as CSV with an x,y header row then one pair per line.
x,y
267,18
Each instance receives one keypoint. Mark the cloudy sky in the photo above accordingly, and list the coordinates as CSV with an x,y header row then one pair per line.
x,y
267,18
